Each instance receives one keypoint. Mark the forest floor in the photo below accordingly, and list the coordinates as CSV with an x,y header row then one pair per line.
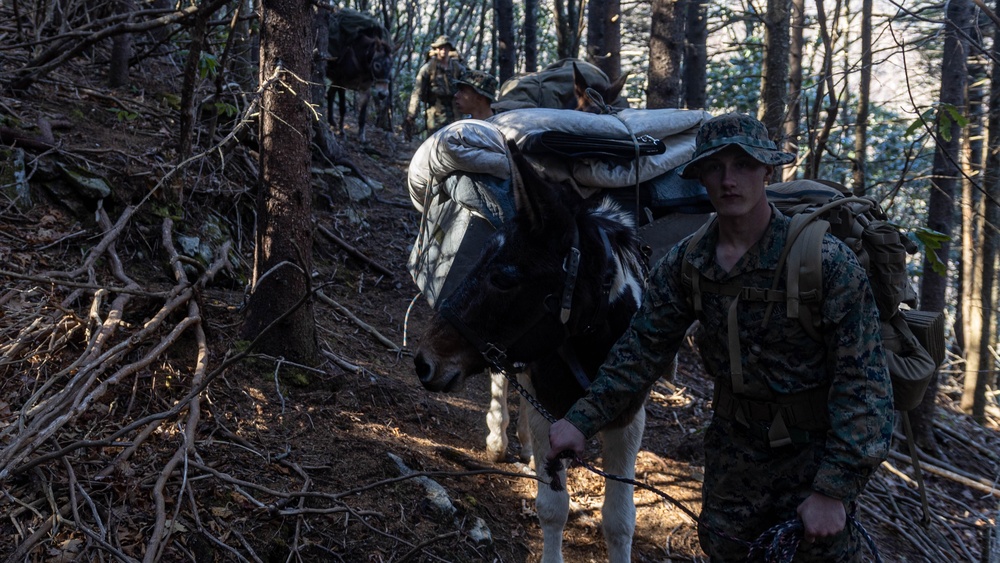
x,y
126,435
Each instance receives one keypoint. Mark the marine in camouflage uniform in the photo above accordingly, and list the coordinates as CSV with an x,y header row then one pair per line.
x,y
837,394
434,86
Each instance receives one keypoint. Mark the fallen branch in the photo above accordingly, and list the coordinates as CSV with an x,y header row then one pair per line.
x,y
355,252
982,485
365,326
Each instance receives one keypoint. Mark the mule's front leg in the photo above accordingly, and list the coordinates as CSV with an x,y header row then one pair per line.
x,y
621,447
497,418
552,507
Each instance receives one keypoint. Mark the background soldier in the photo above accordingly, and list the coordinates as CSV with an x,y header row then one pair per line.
x,y
434,86
476,91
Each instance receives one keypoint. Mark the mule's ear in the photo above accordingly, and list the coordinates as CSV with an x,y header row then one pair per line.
x,y
534,198
579,83
615,89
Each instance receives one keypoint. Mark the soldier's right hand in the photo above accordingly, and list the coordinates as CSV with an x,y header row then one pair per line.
x,y
408,127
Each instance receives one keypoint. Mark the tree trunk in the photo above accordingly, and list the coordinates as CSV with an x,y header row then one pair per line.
x,y
981,308
189,109
826,84
568,20
283,253
774,84
604,36
794,116
967,310
695,80
860,162
121,50
944,178
530,35
666,43
504,13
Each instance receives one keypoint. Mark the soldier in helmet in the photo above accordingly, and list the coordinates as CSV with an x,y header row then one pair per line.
x,y
476,91
799,425
434,86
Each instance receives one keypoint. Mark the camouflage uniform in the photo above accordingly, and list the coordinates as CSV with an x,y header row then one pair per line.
x,y
750,486
434,86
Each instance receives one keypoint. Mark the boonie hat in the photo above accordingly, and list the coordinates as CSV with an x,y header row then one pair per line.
x,y
731,129
482,82
441,41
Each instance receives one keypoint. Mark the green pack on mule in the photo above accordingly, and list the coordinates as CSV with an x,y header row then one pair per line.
x,y
817,207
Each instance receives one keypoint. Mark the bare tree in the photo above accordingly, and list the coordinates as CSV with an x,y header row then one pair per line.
x,y
773,85
569,25
941,204
530,35
695,66
121,49
666,44
980,363
860,163
604,36
283,253
825,87
503,11
794,113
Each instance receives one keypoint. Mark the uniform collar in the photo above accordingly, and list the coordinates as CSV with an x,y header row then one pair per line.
x,y
762,256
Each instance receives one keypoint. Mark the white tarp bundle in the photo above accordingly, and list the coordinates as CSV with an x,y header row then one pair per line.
x,y
459,178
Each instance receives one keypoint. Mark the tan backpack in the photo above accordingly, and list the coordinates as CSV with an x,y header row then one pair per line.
x,y
817,207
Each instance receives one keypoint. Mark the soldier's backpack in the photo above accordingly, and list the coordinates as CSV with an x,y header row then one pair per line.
x,y
914,340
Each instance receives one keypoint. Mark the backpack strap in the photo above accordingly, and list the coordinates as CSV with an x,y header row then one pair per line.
x,y
695,283
690,276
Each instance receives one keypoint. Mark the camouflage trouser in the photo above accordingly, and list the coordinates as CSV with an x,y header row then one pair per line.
x,y
441,113
750,488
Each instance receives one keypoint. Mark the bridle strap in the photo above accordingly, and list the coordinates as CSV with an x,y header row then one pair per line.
x,y
494,353
571,265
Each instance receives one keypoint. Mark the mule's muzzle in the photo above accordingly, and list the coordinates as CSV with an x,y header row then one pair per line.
x,y
381,90
434,377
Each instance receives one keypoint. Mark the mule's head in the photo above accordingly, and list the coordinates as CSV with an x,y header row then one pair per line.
x,y
508,307
586,101
380,57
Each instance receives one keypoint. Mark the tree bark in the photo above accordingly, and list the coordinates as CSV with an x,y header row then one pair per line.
x,y
503,11
794,116
604,36
283,253
860,163
695,65
981,308
773,85
568,20
666,44
826,84
944,178
121,50
530,35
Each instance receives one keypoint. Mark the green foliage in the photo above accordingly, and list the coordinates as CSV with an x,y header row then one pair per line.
x,y
124,115
226,109
734,83
946,116
932,241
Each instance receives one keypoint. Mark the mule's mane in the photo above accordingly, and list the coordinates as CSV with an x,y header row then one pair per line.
x,y
627,259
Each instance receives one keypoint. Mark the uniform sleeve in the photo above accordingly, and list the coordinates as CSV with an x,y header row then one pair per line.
x,y
419,85
860,401
643,353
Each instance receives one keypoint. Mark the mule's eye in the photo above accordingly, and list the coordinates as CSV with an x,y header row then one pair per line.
x,y
503,280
